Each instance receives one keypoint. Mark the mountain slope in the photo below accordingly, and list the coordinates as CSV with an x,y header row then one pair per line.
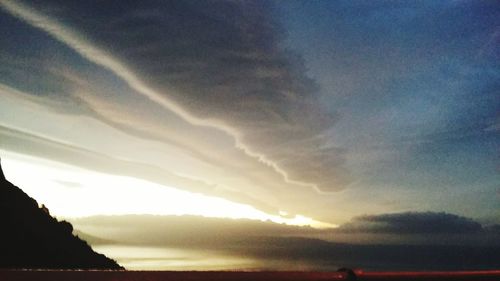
x,y
31,238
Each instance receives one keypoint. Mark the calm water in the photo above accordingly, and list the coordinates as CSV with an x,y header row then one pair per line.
x,y
155,258
176,259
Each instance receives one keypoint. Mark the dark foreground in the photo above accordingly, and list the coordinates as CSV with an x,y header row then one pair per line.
x,y
100,275
32,238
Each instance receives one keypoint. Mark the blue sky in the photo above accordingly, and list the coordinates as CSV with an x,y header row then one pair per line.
x,y
311,113
418,85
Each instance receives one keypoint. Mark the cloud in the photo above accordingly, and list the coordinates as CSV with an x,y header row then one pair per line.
x,y
173,153
397,228
494,228
221,72
20,142
219,64
185,231
273,246
412,223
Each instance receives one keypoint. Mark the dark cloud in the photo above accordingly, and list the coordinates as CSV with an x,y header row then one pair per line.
x,y
413,223
494,228
411,79
220,60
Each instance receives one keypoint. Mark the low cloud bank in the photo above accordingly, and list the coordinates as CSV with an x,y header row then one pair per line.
x,y
413,223
450,247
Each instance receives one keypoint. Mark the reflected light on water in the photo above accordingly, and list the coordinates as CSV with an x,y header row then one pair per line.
x,y
149,258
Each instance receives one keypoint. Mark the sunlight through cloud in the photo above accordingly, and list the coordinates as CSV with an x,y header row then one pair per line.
x,y
74,192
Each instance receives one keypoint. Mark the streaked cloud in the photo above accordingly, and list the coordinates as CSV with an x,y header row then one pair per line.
x,y
242,81
97,190
330,110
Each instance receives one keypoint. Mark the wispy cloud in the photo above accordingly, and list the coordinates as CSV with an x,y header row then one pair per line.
x,y
383,106
252,89
26,143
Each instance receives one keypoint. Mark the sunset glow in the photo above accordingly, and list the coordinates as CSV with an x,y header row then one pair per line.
x,y
258,134
71,192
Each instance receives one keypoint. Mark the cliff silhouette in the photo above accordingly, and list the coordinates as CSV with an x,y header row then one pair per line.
x,y
31,238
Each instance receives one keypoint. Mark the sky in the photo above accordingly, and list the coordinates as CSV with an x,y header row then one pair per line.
x,y
362,122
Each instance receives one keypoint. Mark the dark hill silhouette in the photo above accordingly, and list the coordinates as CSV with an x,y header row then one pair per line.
x,y
31,238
